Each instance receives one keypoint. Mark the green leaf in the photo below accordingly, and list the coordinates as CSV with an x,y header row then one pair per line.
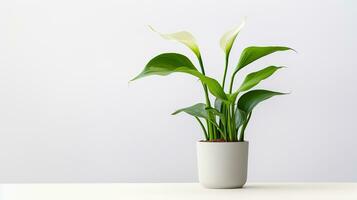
x,y
200,110
254,78
167,63
215,112
250,99
183,37
214,87
218,104
197,110
251,54
229,37
240,117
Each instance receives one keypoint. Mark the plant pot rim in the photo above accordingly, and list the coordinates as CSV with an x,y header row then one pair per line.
x,y
208,142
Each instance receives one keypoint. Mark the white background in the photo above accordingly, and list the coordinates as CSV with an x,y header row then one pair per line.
x,y
68,113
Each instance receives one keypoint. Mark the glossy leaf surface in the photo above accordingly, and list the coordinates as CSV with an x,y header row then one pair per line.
x,y
254,78
165,64
240,117
251,54
197,110
200,110
252,98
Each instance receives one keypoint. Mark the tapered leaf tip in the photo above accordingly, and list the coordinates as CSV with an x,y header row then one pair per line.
x,y
133,79
137,77
228,38
281,67
152,28
176,112
288,48
183,37
282,93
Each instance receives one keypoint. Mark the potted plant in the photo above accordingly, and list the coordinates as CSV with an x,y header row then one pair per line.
x,y
223,154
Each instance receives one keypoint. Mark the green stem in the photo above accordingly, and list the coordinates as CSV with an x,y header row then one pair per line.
x,y
241,136
203,128
214,133
223,123
210,127
232,81
229,125
217,127
225,71
226,122
234,131
204,85
222,134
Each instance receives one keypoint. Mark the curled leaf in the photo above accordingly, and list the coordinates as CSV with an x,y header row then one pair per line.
x,y
218,104
240,117
183,37
229,37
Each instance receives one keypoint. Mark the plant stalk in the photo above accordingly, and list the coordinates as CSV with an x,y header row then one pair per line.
x,y
210,127
232,81
203,127
225,71
204,85
234,129
229,125
241,136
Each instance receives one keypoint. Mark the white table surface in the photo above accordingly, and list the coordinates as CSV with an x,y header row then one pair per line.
x,y
187,191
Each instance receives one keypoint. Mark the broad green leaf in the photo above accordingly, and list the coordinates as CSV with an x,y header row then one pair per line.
x,y
251,54
213,85
250,99
200,110
165,64
183,37
240,117
229,37
197,110
254,78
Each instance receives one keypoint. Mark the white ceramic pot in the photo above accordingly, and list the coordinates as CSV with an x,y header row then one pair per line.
x,y
222,164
